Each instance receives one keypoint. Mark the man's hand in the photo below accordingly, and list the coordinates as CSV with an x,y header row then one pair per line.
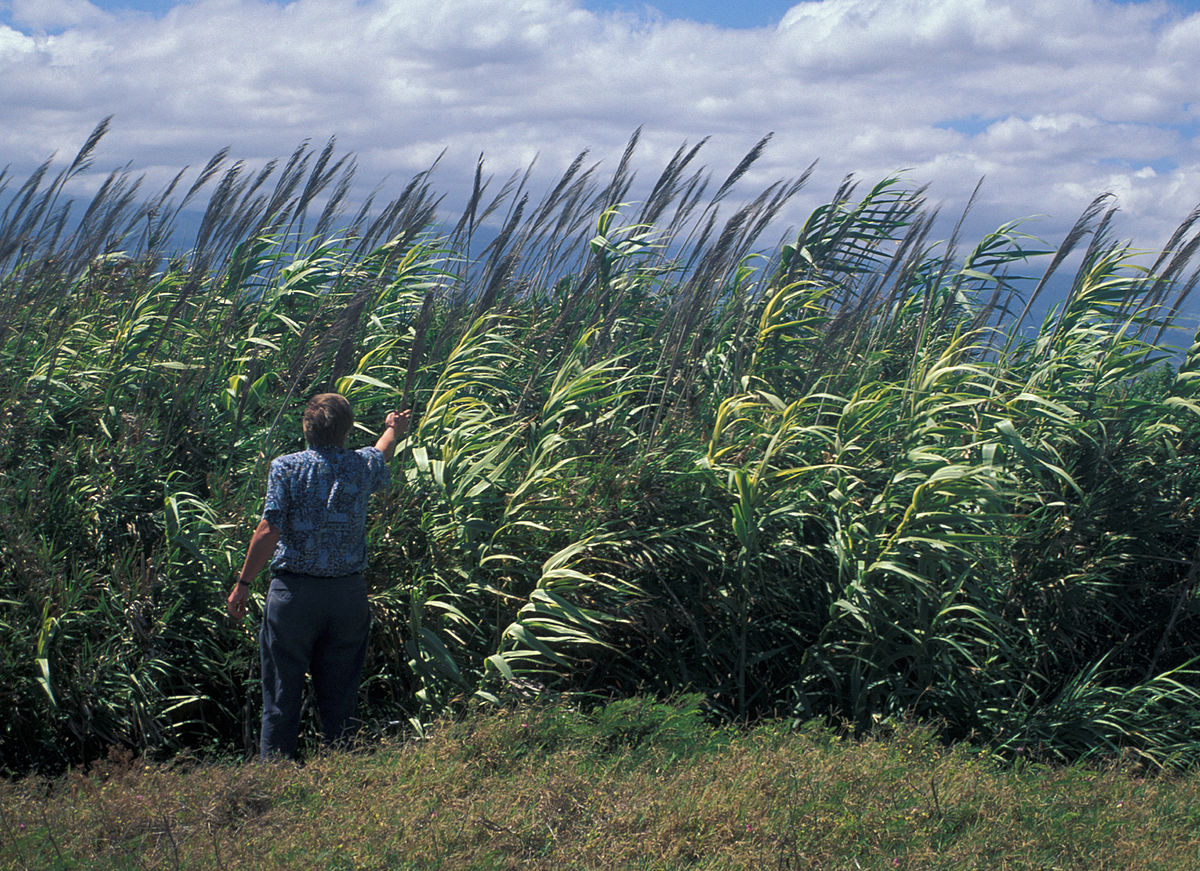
x,y
399,420
236,603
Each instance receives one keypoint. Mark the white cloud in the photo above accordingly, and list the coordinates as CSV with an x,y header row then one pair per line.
x,y
1053,100
53,14
14,46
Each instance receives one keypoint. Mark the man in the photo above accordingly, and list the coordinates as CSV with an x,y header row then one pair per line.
x,y
313,533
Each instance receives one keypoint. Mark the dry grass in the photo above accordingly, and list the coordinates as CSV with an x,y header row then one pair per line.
x,y
548,788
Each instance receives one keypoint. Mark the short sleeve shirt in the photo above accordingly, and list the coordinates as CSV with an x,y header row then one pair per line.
x,y
317,499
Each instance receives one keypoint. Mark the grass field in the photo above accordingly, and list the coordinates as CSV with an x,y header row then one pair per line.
x,y
634,785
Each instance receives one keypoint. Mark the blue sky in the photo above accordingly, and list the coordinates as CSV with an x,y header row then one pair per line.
x,y
724,13
1050,102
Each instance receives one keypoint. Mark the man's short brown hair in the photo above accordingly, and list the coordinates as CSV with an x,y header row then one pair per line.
x,y
327,420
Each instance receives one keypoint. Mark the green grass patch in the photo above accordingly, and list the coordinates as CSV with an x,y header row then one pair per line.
x,y
635,784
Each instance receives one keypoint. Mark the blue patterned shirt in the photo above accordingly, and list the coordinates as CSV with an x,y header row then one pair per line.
x,y
317,499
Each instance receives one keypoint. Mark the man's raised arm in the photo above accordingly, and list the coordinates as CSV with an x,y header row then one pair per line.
x,y
393,429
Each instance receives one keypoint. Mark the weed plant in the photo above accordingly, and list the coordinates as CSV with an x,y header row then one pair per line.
x,y
857,476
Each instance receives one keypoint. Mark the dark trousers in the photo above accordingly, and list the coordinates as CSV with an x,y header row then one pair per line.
x,y
317,626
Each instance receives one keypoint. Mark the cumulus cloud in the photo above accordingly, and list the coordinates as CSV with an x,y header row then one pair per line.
x,y
52,14
1054,101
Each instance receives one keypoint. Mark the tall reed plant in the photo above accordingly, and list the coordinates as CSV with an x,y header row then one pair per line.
x,y
857,475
